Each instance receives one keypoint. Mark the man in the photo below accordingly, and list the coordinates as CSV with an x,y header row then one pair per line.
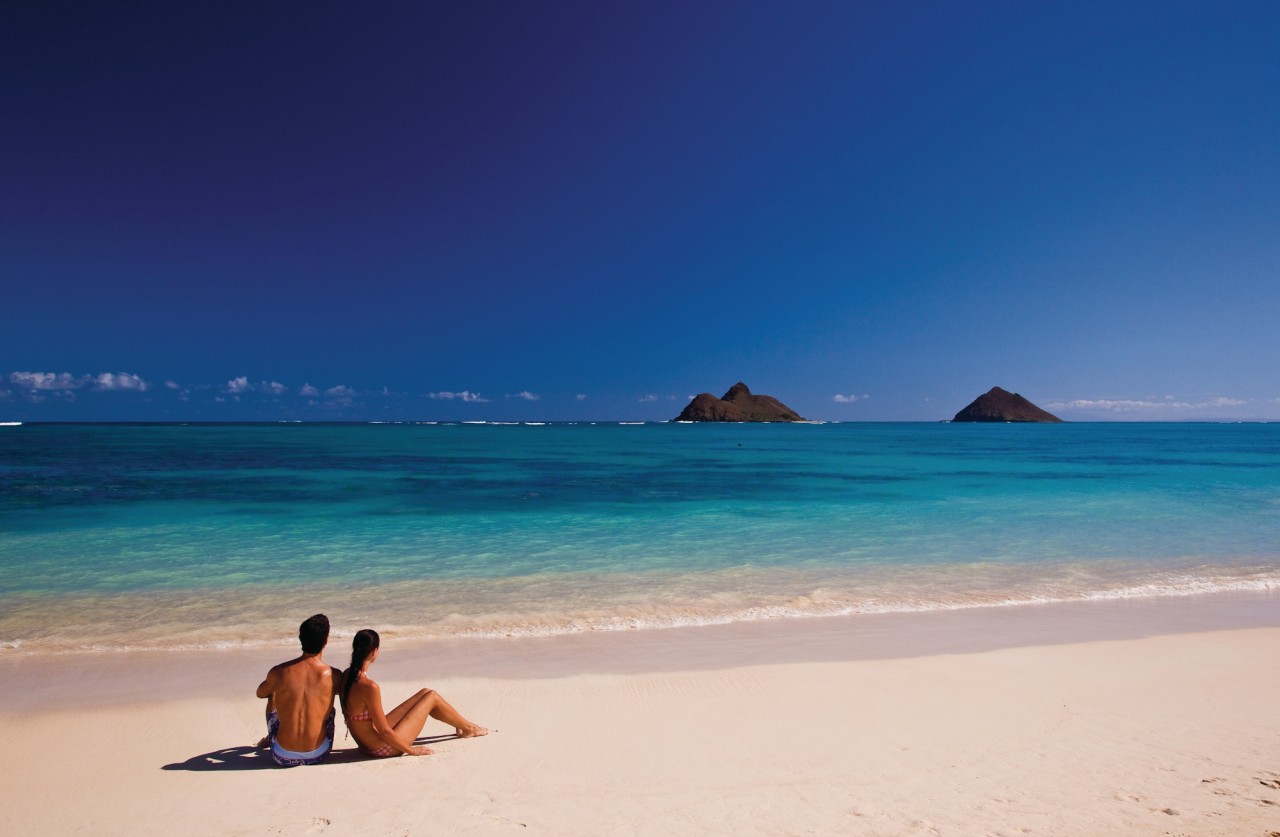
x,y
300,697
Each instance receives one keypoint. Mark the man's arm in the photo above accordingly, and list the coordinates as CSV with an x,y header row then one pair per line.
x,y
267,687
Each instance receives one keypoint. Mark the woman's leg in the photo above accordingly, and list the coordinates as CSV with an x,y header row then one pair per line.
x,y
411,716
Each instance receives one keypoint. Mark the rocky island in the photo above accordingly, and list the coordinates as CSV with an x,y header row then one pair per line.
x,y
1000,405
738,404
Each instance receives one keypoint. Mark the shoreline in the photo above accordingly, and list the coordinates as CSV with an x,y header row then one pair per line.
x,y
118,677
503,608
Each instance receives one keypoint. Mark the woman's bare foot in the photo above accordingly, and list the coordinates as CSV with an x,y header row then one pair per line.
x,y
473,731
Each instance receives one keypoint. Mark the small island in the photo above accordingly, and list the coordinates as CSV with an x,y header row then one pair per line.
x,y
1001,405
738,404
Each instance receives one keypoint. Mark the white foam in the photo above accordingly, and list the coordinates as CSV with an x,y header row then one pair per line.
x,y
540,607
661,621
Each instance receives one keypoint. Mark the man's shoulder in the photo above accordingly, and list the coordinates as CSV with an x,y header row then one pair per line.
x,y
287,664
321,669
290,668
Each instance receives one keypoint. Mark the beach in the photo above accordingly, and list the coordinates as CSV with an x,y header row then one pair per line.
x,y
766,418
1154,716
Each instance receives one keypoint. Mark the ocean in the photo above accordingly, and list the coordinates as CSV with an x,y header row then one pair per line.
x,y
224,535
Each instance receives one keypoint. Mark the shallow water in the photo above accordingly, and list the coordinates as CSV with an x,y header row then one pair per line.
x,y
117,536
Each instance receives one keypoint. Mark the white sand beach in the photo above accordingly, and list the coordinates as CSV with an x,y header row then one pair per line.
x,y
1009,721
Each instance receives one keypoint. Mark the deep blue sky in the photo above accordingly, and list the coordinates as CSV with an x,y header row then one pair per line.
x,y
596,210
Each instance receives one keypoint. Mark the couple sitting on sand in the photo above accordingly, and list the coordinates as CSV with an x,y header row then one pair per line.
x,y
300,695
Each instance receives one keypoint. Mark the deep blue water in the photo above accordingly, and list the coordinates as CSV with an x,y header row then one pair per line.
x,y
161,534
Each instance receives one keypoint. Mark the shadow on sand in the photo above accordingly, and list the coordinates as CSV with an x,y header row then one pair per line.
x,y
257,758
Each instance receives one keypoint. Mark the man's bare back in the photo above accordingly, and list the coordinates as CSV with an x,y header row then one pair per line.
x,y
300,695
301,692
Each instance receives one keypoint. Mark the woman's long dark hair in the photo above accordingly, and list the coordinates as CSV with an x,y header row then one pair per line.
x,y
364,643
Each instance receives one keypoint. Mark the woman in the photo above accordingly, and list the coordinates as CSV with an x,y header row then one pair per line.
x,y
393,733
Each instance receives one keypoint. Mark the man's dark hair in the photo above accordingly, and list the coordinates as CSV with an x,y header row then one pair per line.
x,y
314,633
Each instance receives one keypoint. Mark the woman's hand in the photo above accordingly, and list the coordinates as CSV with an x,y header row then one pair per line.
x,y
419,750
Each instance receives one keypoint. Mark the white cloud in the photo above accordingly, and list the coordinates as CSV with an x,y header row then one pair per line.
x,y
526,395
1118,406
340,391
46,380
235,386
64,382
1134,406
464,395
173,385
648,398
847,399
119,381
582,396
307,389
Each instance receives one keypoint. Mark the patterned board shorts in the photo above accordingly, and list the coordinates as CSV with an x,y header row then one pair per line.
x,y
288,758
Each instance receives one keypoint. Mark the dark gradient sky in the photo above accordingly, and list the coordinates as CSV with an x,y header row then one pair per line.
x,y
596,210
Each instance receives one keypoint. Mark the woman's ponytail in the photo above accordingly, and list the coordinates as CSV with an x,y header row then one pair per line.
x,y
364,643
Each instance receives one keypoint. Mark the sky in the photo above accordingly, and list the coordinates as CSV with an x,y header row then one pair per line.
x,y
595,210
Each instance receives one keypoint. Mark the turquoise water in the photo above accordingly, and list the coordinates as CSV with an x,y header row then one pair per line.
x,y
173,535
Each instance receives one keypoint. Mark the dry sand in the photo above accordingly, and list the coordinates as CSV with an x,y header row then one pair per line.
x,y
939,724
